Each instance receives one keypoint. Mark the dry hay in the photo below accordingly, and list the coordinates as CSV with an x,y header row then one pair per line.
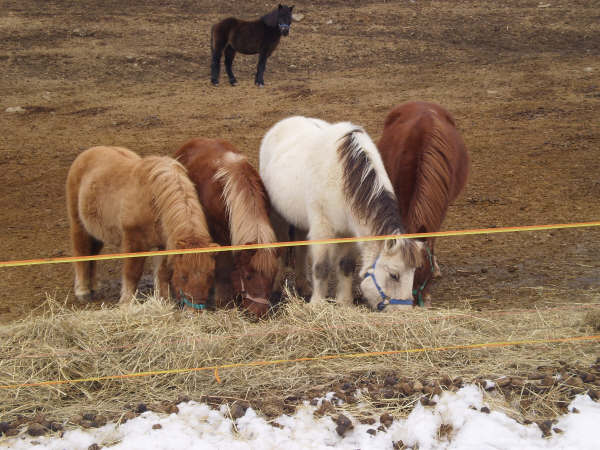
x,y
62,344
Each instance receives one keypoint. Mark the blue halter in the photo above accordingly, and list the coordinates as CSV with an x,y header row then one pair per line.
x,y
386,299
187,302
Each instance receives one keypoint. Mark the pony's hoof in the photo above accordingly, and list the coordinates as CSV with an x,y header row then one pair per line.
x,y
215,82
260,85
85,298
317,302
233,83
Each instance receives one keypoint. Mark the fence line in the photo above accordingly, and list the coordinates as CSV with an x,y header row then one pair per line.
x,y
67,259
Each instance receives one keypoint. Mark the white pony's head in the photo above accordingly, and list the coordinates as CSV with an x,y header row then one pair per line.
x,y
387,273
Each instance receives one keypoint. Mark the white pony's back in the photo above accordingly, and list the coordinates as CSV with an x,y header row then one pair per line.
x,y
301,168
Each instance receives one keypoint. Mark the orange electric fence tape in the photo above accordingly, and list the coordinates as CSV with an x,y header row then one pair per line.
x,y
306,359
34,262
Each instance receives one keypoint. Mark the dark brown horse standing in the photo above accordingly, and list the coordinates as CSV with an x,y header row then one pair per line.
x,y
237,211
248,37
428,165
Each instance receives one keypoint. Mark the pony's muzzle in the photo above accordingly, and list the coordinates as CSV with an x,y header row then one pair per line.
x,y
256,305
284,29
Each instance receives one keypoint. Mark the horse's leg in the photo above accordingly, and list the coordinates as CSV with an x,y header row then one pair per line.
x,y
83,245
260,70
346,262
320,260
286,263
437,272
229,55
321,269
132,268
96,248
300,264
224,294
217,46
161,277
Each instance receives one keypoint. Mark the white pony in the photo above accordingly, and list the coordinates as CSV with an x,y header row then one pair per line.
x,y
329,179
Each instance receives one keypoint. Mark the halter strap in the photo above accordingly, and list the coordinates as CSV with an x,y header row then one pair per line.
x,y
386,299
245,294
187,302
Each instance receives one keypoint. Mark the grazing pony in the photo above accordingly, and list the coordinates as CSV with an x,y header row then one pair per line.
x,y
237,211
329,179
248,37
428,164
116,197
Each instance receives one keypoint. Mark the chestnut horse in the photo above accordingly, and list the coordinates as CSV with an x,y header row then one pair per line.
x,y
248,37
116,197
237,210
428,165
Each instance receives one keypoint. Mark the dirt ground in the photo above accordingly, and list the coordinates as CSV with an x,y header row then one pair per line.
x,y
520,77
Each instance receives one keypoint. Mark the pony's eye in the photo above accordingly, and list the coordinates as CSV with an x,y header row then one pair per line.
x,y
395,276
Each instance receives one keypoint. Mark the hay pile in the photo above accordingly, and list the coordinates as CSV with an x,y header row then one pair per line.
x,y
61,343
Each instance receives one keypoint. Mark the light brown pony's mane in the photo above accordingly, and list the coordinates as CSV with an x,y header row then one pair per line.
x,y
432,185
176,203
246,202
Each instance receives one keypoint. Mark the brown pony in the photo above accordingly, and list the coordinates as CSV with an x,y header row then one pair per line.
x,y
248,37
116,197
428,165
237,210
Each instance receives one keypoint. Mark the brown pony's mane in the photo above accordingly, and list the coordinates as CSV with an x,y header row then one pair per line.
x,y
176,202
247,206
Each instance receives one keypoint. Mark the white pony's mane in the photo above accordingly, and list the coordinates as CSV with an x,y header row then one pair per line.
x,y
366,184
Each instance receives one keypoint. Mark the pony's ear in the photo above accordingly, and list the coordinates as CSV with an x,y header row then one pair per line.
x,y
291,8
280,6
422,230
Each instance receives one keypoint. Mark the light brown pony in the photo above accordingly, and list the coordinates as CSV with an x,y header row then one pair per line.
x,y
116,197
428,165
237,210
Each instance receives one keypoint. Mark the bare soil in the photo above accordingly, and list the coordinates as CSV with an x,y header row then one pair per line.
x,y
521,78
